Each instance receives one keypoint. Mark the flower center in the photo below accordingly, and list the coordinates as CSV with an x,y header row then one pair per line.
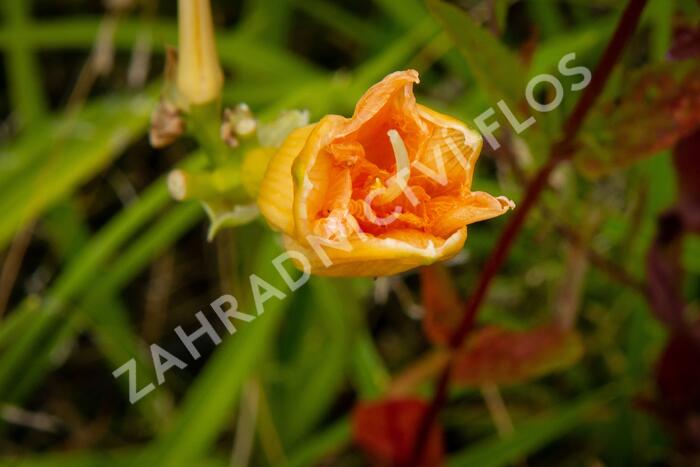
x,y
399,182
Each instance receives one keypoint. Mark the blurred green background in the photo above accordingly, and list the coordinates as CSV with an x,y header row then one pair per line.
x,y
98,262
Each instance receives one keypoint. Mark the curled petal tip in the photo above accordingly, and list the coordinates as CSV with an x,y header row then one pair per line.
x,y
506,202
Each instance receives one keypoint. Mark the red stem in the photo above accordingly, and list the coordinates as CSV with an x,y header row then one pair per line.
x,y
559,152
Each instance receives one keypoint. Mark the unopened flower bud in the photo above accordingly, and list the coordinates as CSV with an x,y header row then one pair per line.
x,y
199,76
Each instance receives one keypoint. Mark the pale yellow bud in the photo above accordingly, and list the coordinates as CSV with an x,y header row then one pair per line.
x,y
199,76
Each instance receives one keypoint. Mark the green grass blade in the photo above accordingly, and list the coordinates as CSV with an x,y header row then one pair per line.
x,y
405,13
235,49
580,41
547,17
498,71
117,458
370,376
321,356
659,16
105,319
322,444
17,322
77,148
354,28
209,405
392,57
79,273
26,90
532,435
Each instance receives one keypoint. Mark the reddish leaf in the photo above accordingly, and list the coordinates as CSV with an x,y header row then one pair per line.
x,y
686,42
660,104
677,402
679,361
686,158
386,431
500,356
441,303
664,273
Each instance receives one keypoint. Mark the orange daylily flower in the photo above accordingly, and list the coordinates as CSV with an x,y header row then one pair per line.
x,y
384,191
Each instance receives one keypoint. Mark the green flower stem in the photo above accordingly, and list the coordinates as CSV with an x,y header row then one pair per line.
x,y
223,181
204,123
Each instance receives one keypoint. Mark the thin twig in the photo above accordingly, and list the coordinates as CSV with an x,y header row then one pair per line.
x,y
99,62
567,301
419,371
609,267
497,409
269,437
245,427
499,414
39,421
158,293
560,152
409,306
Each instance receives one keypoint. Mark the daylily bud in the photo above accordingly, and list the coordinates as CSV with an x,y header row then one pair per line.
x,y
379,193
199,76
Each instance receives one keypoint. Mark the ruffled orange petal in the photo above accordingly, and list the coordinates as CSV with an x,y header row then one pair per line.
x,y
450,153
373,256
448,214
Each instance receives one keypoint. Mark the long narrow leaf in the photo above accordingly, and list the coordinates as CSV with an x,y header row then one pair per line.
x,y
532,435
